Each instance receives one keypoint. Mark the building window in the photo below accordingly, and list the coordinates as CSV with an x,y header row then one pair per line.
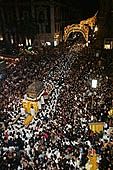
x,y
42,28
48,30
1,38
108,44
41,17
38,28
25,15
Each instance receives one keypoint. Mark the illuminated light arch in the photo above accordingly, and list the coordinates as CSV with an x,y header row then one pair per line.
x,y
90,22
76,28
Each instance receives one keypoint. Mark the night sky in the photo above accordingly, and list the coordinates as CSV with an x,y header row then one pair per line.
x,y
85,3
87,7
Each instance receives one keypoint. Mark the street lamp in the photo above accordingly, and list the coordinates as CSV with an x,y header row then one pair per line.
x,y
94,83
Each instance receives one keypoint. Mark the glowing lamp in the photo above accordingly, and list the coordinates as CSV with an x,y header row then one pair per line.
x,y
94,83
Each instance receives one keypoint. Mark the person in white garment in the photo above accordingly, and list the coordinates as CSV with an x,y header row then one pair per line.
x,y
92,118
42,100
32,111
45,95
22,111
39,105
25,97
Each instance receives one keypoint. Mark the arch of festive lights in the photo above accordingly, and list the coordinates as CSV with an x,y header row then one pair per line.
x,y
76,28
83,27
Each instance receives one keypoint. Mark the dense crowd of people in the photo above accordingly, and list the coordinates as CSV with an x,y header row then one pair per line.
x,y
59,137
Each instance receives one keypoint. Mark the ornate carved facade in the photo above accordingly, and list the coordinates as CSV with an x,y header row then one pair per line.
x,y
33,21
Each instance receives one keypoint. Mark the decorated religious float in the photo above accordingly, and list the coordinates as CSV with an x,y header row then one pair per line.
x,y
28,120
34,90
93,165
111,113
33,95
96,127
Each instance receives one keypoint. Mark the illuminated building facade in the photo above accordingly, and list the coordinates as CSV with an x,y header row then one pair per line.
x,y
104,35
105,26
28,22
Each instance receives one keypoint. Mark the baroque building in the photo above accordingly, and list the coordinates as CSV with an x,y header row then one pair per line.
x,y
104,35
35,22
105,26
